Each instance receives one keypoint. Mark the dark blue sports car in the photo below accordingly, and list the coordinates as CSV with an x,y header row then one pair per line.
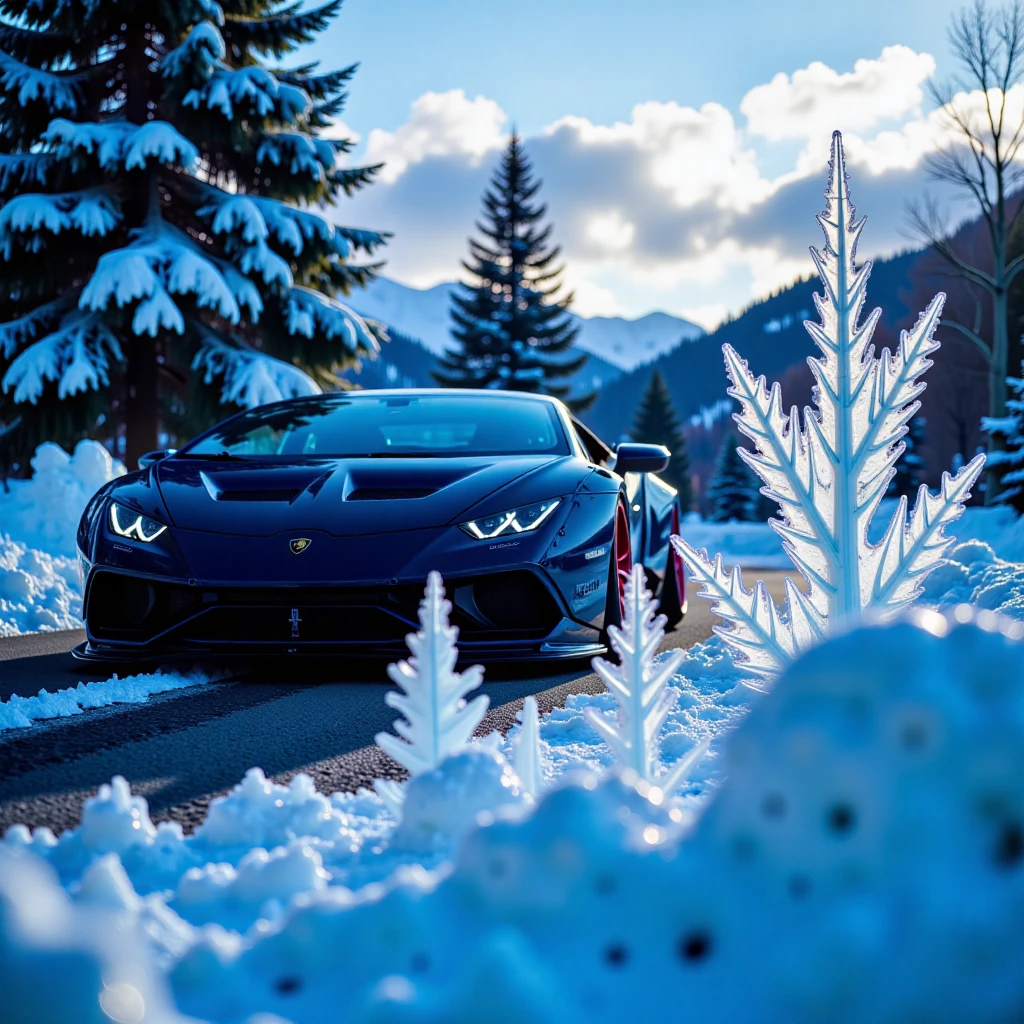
x,y
309,526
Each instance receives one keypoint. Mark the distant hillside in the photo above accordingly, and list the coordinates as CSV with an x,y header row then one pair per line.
x,y
623,344
769,334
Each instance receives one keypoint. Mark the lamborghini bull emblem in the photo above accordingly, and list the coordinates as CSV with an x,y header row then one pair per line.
x,y
299,544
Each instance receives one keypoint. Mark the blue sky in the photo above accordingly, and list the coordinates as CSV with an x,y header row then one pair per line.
x,y
644,118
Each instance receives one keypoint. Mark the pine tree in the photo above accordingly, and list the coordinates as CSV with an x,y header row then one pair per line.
x,y
910,469
1010,461
733,491
657,423
153,164
510,328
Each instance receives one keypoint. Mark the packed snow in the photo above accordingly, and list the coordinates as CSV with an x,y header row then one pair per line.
x,y
39,586
19,712
860,860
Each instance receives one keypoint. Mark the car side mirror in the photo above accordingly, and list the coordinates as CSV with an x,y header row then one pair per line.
x,y
641,458
147,460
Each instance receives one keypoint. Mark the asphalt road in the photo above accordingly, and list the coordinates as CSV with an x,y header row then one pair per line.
x,y
183,748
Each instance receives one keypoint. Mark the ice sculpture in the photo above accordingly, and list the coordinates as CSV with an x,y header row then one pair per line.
x,y
830,473
642,689
527,759
437,718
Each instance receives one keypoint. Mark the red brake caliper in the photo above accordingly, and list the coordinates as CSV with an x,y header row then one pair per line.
x,y
677,562
623,555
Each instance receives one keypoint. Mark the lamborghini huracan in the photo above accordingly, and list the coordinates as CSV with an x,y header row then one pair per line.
x,y
309,526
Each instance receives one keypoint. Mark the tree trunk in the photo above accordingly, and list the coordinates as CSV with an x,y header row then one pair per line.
x,y
997,369
142,401
142,373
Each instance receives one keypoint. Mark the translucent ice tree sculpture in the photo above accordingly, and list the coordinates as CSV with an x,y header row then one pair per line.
x,y
437,718
527,759
829,473
641,689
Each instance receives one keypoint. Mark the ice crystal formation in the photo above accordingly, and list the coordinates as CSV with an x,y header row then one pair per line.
x,y
829,473
641,689
527,758
437,720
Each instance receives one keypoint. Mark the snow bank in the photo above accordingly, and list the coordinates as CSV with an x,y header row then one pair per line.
x,y
19,712
43,512
38,591
39,588
754,545
863,860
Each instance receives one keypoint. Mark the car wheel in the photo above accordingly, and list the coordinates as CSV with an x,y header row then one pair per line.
x,y
673,589
619,565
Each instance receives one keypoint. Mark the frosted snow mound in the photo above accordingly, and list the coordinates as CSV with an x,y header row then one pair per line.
x,y
38,593
65,961
973,575
863,862
442,805
39,586
19,712
43,512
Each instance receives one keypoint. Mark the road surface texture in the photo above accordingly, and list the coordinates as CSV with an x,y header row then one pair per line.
x,y
183,748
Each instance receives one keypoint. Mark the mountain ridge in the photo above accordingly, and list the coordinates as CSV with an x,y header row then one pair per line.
x,y
422,313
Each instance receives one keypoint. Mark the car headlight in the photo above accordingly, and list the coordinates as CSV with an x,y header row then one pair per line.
x,y
515,520
127,523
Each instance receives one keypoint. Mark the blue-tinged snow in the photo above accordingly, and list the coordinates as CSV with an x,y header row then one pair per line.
x,y
250,89
860,862
39,586
60,91
19,712
251,378
121,143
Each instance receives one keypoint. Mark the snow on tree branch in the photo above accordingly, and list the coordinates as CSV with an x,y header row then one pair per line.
x,y
641,688
437,718
829,473
251,378
77,355
311,312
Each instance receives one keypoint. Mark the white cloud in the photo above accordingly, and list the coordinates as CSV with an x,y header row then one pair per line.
x,y
669,209
816,100
440,124
610,231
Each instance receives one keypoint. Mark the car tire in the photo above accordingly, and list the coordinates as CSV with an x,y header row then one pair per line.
x,y
673,589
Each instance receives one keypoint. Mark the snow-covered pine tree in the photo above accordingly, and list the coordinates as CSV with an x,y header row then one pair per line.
x,y
909,471
1010,460
657,423
641,689
511,330
732,492
829,473
157,169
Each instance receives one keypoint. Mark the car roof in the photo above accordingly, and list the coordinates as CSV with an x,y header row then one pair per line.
x,y
468,392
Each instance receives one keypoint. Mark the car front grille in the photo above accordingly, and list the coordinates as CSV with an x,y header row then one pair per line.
x,y
505,605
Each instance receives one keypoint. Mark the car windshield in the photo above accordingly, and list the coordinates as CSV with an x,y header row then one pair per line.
x,y
389,425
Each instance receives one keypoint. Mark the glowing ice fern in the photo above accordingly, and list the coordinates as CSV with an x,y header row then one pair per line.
x,y
829,474
641,688
438,720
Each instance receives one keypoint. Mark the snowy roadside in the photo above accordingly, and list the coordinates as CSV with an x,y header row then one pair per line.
x,y
39,587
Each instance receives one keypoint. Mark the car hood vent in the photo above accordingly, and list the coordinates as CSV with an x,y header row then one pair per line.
x,y
389,493
278,494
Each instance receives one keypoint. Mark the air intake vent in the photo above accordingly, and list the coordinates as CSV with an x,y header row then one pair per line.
x,y
266,495
389,493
